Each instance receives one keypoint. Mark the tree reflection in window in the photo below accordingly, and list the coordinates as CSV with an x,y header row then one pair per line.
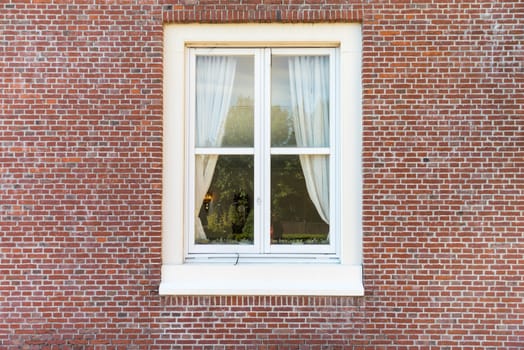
x,y
227,213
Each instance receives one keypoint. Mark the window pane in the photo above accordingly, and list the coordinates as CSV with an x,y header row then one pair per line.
x,y
300,101
226,213
224,101
282,132
295,219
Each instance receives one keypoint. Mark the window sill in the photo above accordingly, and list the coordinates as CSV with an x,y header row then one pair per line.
x,y
262,279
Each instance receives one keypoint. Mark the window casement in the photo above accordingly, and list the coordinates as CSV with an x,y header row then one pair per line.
x,y
262,188
261,163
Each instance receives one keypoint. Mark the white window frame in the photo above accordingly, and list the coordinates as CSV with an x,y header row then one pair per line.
x,y
308,275
262,249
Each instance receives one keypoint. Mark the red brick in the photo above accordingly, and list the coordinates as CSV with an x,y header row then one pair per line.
x,y
81,181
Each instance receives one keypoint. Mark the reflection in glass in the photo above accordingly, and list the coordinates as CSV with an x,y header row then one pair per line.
x,y
294,217
224,101
300,101
239,128
282,133
226,211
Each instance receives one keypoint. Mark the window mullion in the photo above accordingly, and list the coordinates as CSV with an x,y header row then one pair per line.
x,y
266,150
259,172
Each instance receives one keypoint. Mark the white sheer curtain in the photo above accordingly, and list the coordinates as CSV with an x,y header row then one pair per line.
x,y
309,85
214,85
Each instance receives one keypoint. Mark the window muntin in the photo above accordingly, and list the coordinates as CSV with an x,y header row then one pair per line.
x,y
261,136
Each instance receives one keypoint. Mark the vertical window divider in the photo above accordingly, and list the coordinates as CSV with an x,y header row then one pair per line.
x,y
266,149
258,157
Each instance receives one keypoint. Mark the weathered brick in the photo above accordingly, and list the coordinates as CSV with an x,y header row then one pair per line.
x,y
81,181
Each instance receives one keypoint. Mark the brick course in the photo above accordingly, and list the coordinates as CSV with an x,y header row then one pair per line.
x,y
81,177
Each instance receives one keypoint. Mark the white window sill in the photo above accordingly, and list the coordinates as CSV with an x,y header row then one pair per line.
x,y
262,279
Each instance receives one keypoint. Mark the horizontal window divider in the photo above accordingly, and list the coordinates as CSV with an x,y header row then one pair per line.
x,y
300,150
224,151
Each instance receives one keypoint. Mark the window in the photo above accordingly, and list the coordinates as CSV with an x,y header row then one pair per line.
x,y
260,132
262,184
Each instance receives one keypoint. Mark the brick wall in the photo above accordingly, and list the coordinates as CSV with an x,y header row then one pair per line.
x,y
81,165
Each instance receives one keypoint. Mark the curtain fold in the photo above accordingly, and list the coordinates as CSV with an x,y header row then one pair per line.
x,y
215,76
309,88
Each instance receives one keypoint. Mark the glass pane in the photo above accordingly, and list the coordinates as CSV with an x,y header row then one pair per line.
x,y
282,133
300,101
226,213
224,101
294,217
